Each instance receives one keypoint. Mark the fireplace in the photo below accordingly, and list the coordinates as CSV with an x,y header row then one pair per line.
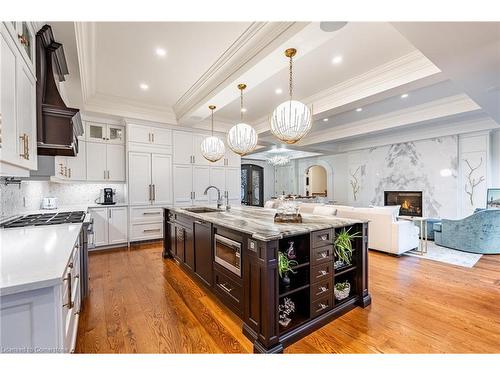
x,y
410,201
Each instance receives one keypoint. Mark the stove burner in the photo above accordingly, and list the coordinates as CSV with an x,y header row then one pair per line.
x,y
46,219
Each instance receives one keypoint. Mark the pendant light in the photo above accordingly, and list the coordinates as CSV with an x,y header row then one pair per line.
x,y
291,120
242,138
212,148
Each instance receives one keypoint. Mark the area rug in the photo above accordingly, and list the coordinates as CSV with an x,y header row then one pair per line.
x,y
445,255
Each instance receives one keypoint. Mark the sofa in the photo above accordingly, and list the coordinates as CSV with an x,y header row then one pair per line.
x,y
477,233
386,233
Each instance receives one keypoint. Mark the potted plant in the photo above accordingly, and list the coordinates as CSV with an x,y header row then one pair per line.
x,y
342,290
343,247
284,266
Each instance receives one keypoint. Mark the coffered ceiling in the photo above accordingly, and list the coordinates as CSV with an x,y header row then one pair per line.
x,y
362,80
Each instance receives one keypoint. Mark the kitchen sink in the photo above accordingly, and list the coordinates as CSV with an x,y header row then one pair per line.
x,y
202,210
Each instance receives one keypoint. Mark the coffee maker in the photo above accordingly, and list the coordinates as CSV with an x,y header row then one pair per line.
x,y
107,196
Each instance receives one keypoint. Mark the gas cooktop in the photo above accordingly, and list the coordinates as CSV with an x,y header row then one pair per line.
x,y
45,219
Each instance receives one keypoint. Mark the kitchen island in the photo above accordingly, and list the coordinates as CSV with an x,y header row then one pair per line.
x,y
235,255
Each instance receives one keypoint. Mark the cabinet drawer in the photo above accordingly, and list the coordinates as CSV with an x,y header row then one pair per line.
x,y
322,254
321,290
322,238
321,272
146,231
230,292
321,306
153,214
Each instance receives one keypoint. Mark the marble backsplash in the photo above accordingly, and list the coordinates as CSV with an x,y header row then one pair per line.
x,y
27,197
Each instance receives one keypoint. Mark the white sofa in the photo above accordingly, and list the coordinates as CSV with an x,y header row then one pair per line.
x,y
385,232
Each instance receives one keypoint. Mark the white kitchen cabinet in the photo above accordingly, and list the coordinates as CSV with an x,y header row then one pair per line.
x,y
139,178
105,162
233,185
150,178
146,223
183,147
104,133
232,159
149,135
100,226
161,178
183,184
201,180
72,167
117,225
17,103
198,158
218,179
110,225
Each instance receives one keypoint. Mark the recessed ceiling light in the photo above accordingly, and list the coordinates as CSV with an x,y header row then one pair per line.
x,y
160,52
359,109
243,110
278,91
337,60
325,119
144,86
404,96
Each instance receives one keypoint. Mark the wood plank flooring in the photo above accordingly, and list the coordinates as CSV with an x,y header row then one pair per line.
x,y
140,303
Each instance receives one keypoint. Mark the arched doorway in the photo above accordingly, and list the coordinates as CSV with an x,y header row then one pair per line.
x,y
252,185
316,183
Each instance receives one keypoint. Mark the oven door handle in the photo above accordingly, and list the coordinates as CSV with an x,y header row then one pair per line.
x,y
228,242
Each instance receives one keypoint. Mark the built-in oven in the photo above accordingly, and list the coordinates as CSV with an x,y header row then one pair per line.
x,y
228,253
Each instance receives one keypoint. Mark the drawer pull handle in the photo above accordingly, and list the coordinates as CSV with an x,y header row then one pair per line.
x,y
324,237
69,304
151,213
322,289
323,255
322,272
322,306
225,288
151,230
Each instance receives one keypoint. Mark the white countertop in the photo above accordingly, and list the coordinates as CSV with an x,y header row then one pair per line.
x,y
35,257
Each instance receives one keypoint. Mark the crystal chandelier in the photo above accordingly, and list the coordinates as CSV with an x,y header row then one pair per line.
x,y
291,120
212,148
242,138
278,160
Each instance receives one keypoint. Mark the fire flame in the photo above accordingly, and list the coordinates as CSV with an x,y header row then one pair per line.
x,y
405,204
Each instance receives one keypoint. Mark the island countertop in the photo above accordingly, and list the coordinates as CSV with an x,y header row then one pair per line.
x,y
259,222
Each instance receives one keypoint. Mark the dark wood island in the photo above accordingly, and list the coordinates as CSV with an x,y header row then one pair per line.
x,y
235,255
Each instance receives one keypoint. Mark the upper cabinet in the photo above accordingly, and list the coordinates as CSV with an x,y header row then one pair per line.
x,y
18,149
105,133
149,135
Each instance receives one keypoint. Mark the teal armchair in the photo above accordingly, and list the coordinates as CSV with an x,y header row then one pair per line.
x,y
477,233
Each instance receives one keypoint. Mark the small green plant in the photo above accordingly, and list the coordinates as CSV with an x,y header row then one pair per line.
x,y
342,286
343,245
285,265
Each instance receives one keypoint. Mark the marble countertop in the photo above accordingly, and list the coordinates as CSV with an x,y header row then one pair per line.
x,y
259,222
35,257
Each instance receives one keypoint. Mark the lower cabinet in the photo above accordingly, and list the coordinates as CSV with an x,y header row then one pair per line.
x,y
45,319
146,223
203,251
110,226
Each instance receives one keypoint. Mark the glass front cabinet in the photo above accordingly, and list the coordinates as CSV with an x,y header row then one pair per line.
x,y
97,132
24,33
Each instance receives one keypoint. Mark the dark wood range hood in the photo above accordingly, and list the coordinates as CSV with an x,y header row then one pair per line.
x,y
58,126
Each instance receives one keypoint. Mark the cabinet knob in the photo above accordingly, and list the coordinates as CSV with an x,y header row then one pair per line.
x,y
23,40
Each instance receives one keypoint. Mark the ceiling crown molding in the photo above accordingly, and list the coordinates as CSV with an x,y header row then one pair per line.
x,y
85,47
254,41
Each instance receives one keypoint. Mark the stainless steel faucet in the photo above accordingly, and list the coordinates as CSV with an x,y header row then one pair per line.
x,y
219,199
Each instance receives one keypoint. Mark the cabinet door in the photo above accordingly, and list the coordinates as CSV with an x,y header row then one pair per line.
x,y
75,165
115,134
233,184
139,134
8,107
26,121
179,242
139,178
201,180
232,159
183,184
100,216
96,161
161,178
162,137
217,178
183,147
117,225
197,155
115,162
203,252
95,132
189,247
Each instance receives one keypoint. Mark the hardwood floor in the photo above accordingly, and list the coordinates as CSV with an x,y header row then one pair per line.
x,y
140,303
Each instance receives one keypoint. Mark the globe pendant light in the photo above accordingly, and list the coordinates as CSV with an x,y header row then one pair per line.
x,y
242,138
291,120
212,148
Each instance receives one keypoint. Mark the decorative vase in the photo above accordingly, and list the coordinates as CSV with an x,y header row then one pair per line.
x,y
285,279
342,294
290,253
